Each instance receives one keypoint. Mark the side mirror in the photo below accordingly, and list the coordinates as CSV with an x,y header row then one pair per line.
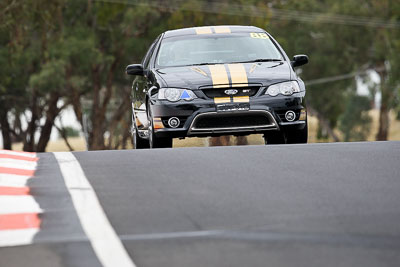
x,y
134,69
299,60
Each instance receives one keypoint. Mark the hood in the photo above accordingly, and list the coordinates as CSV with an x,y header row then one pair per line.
x,y
224,75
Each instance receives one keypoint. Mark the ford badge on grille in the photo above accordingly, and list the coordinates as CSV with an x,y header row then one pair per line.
x,y
231,92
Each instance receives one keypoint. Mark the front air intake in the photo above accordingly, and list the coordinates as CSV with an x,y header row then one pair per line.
x,y
215,122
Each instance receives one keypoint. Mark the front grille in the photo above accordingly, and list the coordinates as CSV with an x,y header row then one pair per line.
x,y
231,121
242,91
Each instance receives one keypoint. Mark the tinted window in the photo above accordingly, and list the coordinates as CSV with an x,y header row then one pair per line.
x,y
149,53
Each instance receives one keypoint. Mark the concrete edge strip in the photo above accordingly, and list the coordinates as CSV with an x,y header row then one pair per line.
x,y
18,164
105,242
19,211
19,221
13,180
18,237
17,157
18,153
12,204
22,162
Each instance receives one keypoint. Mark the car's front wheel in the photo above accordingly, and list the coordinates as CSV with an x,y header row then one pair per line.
x,y
274,138
287,137
138,142
154,141
297,136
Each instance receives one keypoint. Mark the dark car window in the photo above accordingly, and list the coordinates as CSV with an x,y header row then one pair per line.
x,y
146,59
149,53
187,50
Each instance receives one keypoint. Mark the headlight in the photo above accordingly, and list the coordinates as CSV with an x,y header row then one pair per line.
x,y
173,94
285,88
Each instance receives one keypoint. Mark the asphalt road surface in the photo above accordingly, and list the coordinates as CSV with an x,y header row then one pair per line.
x,y
284,205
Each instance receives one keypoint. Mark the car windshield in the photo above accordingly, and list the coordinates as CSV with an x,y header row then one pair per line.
x,y
216,49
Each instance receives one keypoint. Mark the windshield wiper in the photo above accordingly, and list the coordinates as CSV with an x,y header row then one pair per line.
x,y
262,60
250,61
205,63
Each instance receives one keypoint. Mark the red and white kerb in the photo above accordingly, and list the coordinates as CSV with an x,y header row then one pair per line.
x,y
19,212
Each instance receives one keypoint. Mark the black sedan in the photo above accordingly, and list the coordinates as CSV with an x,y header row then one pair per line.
x,y
213,81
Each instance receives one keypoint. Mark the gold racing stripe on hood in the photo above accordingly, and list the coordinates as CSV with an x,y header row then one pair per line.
x,y
203,30
198,70
238,75
219,100
222,29
253,67
219,76
241,99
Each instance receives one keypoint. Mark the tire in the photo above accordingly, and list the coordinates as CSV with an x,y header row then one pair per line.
x,y
138,142
274,138
154,141
298,136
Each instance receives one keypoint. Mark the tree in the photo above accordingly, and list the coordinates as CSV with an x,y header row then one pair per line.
x,y
355,121
59,53
343,47
31,83
384,57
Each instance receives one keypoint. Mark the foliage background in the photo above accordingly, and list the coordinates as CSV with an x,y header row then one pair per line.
x,y
56,54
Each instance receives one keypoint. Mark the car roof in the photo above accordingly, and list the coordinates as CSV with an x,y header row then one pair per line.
x,y
211,30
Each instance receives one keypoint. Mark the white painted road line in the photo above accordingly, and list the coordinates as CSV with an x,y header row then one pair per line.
x,y
13,180
105,242
18,204
18,237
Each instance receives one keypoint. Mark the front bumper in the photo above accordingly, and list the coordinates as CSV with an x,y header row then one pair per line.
x,y
189,112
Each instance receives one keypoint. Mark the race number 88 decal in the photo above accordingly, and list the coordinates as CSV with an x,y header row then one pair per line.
x,y
259,35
